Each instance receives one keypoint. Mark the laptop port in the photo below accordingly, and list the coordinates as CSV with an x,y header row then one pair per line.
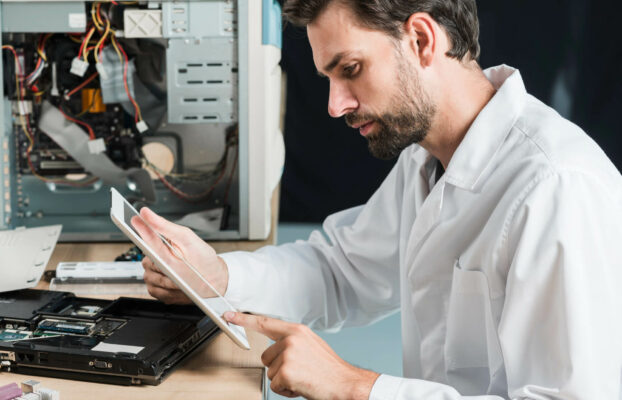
x,y
7,355
100,364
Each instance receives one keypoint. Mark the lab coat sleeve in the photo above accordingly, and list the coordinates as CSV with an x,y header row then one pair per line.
x,y
560,328
348,277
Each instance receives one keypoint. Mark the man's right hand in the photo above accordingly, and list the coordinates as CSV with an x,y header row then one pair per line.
x,y
192,248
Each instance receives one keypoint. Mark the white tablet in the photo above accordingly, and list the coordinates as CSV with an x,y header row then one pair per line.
x,y
188,279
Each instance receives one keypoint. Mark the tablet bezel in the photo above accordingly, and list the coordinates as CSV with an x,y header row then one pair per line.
x,y
117,216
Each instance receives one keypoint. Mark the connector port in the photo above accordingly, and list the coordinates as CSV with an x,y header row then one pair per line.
x,y
100,364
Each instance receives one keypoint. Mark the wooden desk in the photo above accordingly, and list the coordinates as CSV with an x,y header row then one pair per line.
x,y
219,370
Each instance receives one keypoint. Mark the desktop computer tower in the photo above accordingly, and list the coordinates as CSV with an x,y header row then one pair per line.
x,y
174,103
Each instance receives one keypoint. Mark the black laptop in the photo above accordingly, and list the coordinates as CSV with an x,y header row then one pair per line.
x,y
125,341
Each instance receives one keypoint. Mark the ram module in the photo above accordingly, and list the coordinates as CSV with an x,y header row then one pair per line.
x,y
75,327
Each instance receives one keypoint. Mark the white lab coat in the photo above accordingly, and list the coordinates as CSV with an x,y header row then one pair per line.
x,y
507,270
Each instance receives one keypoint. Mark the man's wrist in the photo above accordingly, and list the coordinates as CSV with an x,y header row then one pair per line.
x,y
360,384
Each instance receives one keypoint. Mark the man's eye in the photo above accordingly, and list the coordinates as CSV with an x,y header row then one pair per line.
x,y
350,70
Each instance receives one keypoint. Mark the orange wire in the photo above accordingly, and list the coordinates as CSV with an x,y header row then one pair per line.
x,y
83,84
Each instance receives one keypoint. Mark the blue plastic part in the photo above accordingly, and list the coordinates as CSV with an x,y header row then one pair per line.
x,y
272,33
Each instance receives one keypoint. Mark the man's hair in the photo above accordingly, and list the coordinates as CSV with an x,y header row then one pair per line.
x,y
457,17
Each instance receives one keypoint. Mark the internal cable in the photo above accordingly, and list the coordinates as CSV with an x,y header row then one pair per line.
x,y
41,62
94,16
77,121
187,196
124,59
25,124
219,172
81,86
99,48
83,49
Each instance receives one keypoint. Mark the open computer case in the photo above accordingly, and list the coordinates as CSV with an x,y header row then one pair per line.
x,y
174,103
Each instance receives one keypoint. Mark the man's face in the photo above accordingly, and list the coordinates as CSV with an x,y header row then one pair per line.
x,y
372,82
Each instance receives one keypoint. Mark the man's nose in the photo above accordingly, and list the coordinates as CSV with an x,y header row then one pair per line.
x,y
341,101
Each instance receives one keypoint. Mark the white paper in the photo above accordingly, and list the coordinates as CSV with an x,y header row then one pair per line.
x,y
24,253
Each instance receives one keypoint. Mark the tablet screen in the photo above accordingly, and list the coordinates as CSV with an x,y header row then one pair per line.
x,y
183,273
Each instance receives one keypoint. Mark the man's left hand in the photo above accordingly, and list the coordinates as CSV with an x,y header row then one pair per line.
x,y
300,363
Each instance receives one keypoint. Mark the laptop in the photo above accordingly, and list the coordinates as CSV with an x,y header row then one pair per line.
x,y
126,341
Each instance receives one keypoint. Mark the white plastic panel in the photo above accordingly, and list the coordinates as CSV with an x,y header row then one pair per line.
x,y
142,23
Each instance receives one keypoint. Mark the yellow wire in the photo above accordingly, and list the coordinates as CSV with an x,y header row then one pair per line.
x,y
86,51
94,17
99,17
42,53
103,38
114,44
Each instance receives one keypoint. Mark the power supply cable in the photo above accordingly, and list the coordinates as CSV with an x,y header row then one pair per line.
x,y
125,60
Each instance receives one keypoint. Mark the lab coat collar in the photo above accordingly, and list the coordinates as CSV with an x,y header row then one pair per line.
x,y
489,130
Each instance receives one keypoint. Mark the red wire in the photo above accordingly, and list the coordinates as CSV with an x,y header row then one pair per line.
x,y
186,196
127,89
19,67
83,84
35,70
41,48
84,44
77,121
101,49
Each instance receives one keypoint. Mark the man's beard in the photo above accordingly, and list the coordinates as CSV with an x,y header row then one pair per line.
x,y
408,121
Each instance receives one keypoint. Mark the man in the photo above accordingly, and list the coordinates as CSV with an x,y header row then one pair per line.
x,y
496,233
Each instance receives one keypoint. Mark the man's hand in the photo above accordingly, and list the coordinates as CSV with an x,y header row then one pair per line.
x,y
300,363
191,248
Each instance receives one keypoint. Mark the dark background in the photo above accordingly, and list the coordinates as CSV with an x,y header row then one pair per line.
x,y
568,52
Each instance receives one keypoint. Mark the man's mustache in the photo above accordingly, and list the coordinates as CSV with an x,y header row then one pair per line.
x,y
354,119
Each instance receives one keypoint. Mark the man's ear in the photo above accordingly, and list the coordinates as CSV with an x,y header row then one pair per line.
x,y
420,30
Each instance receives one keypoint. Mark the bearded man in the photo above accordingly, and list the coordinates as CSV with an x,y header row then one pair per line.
x,y
496,233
